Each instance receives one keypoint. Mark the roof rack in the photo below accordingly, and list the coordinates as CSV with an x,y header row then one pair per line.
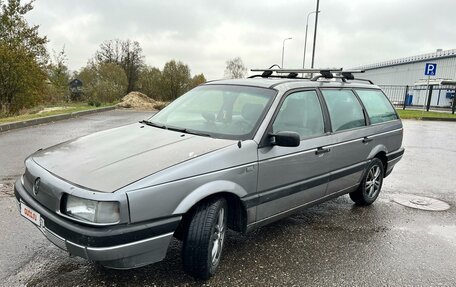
x,y
348,75
284,71
327,73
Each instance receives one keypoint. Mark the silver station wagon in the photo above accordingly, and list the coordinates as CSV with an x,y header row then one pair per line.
x,y
232,154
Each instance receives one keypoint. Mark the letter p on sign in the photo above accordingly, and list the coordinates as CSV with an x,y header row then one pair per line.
x,y
430,69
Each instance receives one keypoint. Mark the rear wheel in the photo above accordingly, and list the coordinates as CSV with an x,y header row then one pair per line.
x,y
203,242
371,185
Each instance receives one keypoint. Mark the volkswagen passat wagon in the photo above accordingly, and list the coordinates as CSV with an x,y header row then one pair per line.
x,y
232,154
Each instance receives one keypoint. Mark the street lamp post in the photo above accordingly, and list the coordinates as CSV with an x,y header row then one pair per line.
x,y
305,40
315,34
283,48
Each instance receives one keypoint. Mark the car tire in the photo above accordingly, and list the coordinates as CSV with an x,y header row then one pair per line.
x,y
203,241
371,185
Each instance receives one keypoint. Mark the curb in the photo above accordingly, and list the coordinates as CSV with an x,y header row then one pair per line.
x,y
439,119
49,119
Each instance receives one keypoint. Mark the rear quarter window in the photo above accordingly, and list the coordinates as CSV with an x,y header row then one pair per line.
x,y
344,109
378,108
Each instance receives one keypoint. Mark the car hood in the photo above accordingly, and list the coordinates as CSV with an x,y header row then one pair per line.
x,y
108,160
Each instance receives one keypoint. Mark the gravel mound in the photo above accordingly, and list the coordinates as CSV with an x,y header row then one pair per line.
x,y
139,101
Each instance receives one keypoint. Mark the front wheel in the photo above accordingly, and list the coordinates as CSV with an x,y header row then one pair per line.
x,y
370,186
203,242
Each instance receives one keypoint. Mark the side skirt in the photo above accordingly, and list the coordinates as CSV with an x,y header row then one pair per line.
x,y
296,209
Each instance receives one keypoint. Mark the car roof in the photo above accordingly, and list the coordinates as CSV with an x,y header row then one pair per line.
x,y
292,83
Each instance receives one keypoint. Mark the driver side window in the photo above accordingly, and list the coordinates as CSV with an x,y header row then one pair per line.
x,y
301,113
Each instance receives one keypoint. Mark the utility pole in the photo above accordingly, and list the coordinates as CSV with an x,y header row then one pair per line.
x,y
305,40
315,33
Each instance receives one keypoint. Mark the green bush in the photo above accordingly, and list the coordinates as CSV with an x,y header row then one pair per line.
x,y
149,82
103,83
168,84
22,81
22,59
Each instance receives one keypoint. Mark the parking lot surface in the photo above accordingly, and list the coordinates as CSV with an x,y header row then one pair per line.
x,y
332,244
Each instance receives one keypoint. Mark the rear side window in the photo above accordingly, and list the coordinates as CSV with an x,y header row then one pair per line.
x,y
344,109
377,106
300,113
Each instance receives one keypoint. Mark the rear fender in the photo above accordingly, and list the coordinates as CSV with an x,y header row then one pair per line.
x,y
376,150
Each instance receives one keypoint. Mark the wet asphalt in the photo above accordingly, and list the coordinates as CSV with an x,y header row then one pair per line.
x,y
332,244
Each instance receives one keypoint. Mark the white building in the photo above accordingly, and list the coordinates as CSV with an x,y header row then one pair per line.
x,y
394,75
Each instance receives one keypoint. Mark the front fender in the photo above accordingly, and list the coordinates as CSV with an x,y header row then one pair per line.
x,y
179,196
206,190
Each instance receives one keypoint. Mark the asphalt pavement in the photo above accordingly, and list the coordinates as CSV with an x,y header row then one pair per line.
x,y
16,145
332,244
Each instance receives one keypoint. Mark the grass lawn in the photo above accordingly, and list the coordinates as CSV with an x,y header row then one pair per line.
x,y
413,114
51,111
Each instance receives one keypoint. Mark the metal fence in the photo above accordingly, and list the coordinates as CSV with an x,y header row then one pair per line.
x,y
400,97
396,94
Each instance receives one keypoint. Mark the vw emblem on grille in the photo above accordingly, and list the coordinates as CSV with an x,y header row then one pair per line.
x,y
36,186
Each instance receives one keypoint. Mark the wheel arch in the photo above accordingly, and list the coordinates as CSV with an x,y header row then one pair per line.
x,y
380,152
232,192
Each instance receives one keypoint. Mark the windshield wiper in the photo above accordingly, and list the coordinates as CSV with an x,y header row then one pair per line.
x,y
182,130
187,131
197,133
149,123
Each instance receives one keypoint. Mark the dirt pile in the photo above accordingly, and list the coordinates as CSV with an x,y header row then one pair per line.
x,y
139,101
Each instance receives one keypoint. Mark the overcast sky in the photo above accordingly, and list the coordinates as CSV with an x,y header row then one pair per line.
x,y
204,34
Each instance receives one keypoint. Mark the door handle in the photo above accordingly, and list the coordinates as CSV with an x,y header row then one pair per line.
x,y
366,139
321,150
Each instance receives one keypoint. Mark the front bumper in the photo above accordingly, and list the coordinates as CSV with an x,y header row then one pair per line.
x,y
120,247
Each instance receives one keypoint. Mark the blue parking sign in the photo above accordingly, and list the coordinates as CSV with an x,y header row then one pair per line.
x,y
430,69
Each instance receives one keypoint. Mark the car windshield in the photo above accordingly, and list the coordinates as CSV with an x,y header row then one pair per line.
x,y
219,111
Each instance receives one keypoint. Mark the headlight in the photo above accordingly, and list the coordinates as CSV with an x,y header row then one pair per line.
x,y
91,210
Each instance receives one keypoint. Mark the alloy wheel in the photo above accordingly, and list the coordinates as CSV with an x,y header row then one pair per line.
x,y
218,237
373,181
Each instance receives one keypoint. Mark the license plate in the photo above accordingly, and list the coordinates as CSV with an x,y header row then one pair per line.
x,y
31,214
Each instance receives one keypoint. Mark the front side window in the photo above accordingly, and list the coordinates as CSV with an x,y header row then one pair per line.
x,y
344,108
301,113
377,106
220,111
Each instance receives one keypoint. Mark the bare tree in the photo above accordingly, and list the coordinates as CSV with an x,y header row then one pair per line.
x,y
58,75
110,52
125,53
235,69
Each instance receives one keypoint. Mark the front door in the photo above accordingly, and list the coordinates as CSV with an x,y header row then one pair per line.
x,y
293,176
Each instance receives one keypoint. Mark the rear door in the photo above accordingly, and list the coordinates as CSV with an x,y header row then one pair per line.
x,y
385,126
293,176
350,148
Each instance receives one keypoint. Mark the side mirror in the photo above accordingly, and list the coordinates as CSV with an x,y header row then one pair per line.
x,y
289,139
